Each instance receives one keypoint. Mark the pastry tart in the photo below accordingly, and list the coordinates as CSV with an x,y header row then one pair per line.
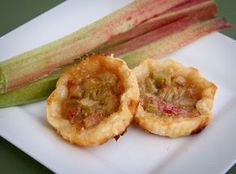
x,y
174,100
94,101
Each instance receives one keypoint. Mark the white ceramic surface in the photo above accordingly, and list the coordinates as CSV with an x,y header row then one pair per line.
x,y
212,151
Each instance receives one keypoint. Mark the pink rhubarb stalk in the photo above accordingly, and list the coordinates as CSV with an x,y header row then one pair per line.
x,y
151,36
199,9
174,41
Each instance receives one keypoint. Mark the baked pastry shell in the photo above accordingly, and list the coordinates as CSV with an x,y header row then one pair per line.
x,y
175,126
111,126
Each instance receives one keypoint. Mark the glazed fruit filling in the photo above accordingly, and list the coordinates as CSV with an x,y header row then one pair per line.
x,y
92,98
166,95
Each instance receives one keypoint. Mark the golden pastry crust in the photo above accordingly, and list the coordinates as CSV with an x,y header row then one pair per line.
x,y
110,126
175,121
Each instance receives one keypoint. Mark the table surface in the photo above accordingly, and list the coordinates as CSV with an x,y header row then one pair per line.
x,y
14,13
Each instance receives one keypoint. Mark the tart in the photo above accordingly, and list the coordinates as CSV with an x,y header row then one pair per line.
x,y
94,101
174,100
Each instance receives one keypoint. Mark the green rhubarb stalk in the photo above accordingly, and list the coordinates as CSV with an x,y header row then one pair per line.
x,y
30,93
174,41
199,9
38,63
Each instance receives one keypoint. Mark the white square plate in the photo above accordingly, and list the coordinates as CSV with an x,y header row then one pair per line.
x,y
211,151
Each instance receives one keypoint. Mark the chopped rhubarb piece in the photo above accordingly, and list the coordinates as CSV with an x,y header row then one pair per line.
x,y
92,120
170,108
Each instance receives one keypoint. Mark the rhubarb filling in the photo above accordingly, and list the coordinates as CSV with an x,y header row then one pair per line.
x,y
92,97
165,95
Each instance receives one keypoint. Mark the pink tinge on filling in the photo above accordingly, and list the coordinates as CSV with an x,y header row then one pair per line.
x,y
170,108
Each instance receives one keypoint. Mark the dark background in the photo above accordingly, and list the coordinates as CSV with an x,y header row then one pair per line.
x,y
14,13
